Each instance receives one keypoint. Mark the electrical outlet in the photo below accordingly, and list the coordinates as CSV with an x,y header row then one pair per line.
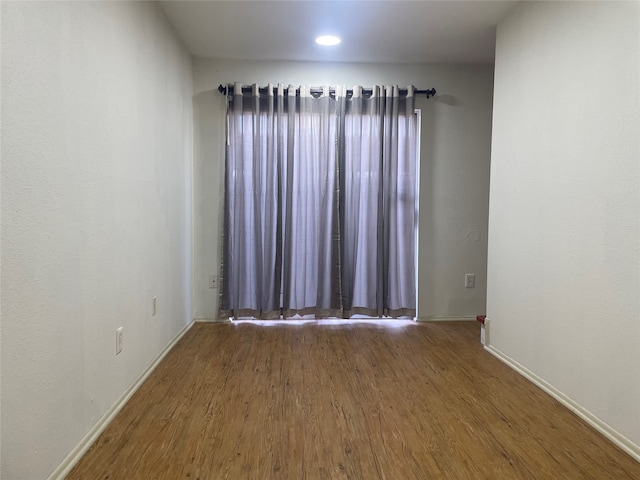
x,y
119,339
153,307
213,281
470,280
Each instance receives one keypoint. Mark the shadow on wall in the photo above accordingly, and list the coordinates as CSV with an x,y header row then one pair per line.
x,y
209,110
447,100
426,212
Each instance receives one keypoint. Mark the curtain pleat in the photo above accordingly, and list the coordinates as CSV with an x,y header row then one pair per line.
x,y
319,203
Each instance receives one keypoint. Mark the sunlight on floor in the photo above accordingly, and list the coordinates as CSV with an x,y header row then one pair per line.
x,y
331,322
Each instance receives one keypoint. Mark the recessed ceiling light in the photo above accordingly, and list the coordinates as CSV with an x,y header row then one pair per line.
x,y
328,40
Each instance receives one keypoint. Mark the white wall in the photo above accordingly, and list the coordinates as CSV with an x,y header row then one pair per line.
x,y
564,228
96,215
454,169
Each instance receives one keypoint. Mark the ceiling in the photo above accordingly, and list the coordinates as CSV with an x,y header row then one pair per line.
x,y
391,31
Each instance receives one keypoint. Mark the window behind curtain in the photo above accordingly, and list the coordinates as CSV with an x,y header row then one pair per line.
x,y
320,204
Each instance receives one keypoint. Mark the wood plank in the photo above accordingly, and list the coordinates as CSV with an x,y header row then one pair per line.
x,y
345,401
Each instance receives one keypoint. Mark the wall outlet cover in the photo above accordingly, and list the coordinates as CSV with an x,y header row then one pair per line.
x,y
470,280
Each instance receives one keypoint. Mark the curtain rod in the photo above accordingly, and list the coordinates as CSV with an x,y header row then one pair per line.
x,y
367,91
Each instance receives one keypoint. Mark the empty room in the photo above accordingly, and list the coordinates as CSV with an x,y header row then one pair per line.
x,y
320,240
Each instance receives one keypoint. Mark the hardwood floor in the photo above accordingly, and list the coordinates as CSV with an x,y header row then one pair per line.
x,y
350,401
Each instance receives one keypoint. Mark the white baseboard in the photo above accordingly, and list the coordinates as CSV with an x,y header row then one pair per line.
x,y
616,437
441,318
76,454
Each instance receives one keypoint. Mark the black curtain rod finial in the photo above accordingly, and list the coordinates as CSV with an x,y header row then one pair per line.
x,y
429,92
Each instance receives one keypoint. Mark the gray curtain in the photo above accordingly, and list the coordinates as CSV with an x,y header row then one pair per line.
x,y
319,215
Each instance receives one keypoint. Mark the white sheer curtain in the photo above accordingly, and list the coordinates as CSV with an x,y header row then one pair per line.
x,y
378,203
319,203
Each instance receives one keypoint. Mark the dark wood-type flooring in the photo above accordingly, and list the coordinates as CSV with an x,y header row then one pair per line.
x,y
345,401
